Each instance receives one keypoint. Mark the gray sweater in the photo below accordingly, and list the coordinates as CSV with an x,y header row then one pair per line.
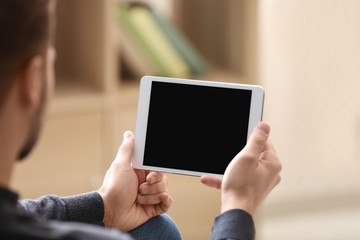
x,y
80,217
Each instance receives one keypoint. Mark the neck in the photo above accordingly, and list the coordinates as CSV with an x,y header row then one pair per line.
x,y
5,176
8,152
7,162
12,129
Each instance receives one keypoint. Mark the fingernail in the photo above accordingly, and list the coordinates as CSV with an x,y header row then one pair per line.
x,y
127,135
264,128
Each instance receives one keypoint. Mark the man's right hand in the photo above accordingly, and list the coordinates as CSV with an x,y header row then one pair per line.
x,y
251,175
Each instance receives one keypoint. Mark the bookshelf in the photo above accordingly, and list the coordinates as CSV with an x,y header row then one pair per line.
x,y
93,104
225,32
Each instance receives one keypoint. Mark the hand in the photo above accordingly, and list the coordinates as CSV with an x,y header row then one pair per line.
x,y
132,196
251,175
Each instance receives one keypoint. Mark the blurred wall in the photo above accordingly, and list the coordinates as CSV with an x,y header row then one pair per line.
x,y
309,64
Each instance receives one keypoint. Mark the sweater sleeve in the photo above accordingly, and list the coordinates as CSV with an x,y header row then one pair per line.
x,y
86,208
235,224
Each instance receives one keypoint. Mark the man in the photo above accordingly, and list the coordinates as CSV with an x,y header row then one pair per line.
x,y
129,200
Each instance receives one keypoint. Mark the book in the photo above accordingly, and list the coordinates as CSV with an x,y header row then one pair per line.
x,y
133,59
194,60
132,37
152,42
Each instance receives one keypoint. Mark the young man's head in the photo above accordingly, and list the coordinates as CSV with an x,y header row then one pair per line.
x,y
26,69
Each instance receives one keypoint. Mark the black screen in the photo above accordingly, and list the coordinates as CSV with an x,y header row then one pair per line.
x,y
195,128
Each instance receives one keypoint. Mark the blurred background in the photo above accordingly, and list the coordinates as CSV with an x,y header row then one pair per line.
x,y
305,53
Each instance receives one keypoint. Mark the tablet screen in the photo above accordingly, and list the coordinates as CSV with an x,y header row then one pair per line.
x,y
195,128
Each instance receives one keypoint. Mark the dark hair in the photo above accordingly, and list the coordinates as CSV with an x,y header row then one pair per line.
x,y
24,33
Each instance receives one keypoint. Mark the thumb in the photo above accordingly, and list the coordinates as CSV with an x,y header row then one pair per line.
x,y
126,149
211,181
258,138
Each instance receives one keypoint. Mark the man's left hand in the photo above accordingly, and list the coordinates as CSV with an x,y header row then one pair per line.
x,y
132,196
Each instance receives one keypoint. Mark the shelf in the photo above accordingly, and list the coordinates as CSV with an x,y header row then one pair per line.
x,y
72,96
215,74
73,87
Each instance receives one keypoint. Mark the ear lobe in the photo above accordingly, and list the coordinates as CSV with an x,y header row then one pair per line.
x,y
31,81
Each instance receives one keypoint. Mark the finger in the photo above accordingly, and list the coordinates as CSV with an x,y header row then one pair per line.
x,y
278,180
155,177
269,147
270,158
165,204
126,149
141,174
151,199
258,139
155,208
211,181
156,188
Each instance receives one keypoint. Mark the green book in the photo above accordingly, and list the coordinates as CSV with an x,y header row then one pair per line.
x,y
152,41
196,63
133,37
133,59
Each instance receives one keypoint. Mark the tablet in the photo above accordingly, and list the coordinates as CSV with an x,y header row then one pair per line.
x,y
193,127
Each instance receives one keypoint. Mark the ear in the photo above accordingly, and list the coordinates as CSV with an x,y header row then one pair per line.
x,y
31,80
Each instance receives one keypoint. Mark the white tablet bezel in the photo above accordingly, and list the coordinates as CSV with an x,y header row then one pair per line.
x,y
255,116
